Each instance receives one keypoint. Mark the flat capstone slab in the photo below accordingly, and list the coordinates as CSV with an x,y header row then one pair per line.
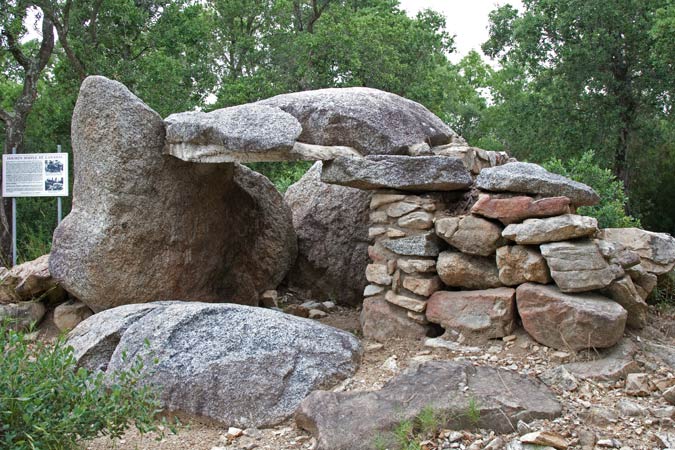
x,y
528,178
405,173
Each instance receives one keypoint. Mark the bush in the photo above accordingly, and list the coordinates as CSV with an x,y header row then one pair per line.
x,y
611,212
46,403
282,174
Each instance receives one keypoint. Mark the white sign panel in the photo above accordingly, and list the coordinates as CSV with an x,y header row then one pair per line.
x,y
35,175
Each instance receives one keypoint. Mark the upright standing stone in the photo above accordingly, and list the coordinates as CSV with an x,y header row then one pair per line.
x,y
147,226
332,226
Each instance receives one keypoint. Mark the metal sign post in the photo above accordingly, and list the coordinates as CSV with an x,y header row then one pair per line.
x,y
58,199
13,222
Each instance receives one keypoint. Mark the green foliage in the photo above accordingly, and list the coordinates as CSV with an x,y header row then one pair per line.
x,y
611,211
282,174
47,403
577,75
408,434
473,412
664,293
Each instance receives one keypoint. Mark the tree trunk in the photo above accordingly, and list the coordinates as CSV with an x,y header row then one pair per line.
x,y
15,131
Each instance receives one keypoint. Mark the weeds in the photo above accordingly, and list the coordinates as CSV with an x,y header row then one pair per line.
x,y
47,402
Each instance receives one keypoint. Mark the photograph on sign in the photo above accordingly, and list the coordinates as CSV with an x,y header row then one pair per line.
x,y
35,175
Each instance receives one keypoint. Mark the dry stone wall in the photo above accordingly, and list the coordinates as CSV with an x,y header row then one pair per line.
x,y
472,244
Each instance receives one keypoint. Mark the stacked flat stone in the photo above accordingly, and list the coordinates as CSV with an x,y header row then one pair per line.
x,y
411,193
509,246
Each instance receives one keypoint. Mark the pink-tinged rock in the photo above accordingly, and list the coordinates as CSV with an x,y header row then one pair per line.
x,y
569,322
381,321
517,209
519,264
470,234
623,292
422,286
468,271
478,315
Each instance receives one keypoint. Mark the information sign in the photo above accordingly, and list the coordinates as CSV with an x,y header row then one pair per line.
x,y
35,175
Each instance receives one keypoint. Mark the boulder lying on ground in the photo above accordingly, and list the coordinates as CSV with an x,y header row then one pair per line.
x,y
467,396
30,280
569,322
237,365
147,226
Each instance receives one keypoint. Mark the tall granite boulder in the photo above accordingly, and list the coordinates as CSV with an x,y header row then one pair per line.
x,y
237,365
147,226
373,122
332,226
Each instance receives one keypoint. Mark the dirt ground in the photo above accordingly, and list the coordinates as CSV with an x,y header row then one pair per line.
x,y
595,410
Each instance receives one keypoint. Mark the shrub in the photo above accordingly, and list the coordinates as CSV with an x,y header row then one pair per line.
x,y
282,174
611,212
46,403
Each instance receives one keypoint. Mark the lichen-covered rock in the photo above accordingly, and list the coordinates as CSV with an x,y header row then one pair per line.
x,y
552,229
30,280
234,364
468,271
371,121
382,321
528,178
332,227
624,293
404,173
69,314
578,266
354,420
147,226
520,264
477,315
470,234
656,250
569,322
22,315
516,209
426,244
243,133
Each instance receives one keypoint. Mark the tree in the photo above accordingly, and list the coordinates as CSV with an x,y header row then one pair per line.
x,y
26,67
578,76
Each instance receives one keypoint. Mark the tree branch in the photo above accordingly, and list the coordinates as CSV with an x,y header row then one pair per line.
x,y
5,116
47,45
15,50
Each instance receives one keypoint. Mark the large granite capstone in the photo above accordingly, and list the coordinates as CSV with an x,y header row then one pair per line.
x,y
237,365
531,178
371,121
146,226
405,173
